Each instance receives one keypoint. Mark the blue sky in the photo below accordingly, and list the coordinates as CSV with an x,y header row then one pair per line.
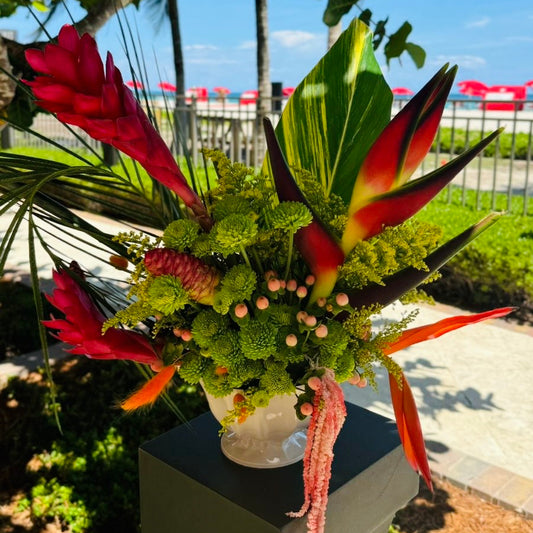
x,y
491,41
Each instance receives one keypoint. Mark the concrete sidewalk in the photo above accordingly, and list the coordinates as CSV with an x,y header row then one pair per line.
x,y
473,387
474,393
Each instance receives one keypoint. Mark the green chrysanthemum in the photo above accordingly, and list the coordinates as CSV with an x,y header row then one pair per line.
x,y
181,234
192,368
229,205
233,233
290,216
258,339
207,326
261,398
166,295
239,282
276,380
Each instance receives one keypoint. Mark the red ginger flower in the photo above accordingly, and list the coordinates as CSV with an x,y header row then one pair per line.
x,y
83,322
197,278
75,87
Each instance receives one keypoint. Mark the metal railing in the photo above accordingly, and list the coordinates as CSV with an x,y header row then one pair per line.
x,y
505,168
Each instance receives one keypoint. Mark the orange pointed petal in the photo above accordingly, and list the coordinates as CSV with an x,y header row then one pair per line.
x,y
409,428
432,331
150,391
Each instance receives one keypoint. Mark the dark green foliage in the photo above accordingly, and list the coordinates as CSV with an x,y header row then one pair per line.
x,y
86,477
496,268
19,333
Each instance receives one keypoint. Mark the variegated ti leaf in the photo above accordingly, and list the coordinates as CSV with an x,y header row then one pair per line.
x,y
336,113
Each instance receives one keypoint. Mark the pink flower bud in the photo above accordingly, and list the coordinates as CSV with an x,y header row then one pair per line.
x,y
262,302
314,383
157,366
301,292
301,316
310,321
321,331
362,383
306,409
310,279
292,285
355,379
321,302
269,274
342,299
283,283
241,310
291,340
273,284
177,332
186,335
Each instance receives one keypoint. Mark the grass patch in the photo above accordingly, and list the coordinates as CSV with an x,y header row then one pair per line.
x,y
496,268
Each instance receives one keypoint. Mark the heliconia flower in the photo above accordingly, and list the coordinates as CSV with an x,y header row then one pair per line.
x,y
75,87
318,247
393,287
197,278
382,196
151,390
329,413
403,401
83,322
404,143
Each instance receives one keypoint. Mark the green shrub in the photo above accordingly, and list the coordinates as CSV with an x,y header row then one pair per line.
x,y
456,140
497,267
86,478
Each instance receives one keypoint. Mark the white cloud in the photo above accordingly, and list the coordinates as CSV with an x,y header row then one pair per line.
x,y
247,45
295,38
200,47
464,61
479,23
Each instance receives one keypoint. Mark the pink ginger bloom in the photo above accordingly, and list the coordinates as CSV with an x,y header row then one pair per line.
x,y
75,87
83,322
329,413
196,277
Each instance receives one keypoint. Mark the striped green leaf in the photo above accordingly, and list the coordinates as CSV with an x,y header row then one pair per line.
x,y
337,112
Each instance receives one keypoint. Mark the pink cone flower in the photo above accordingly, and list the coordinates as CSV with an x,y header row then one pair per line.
x,y
75,87
197,278
83,322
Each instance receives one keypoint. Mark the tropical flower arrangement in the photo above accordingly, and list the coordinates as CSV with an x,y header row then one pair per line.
x,y
267,281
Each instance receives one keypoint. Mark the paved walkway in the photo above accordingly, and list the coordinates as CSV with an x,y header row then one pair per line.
x,y
473,388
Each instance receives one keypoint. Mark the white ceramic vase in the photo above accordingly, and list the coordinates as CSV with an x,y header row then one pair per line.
x,y
270,438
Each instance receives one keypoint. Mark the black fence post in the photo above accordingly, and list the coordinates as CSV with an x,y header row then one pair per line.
x,y
110,154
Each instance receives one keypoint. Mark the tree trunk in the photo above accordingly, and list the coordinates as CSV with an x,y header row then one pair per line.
x,y
180,115
7,85
264,86
98,14
334,33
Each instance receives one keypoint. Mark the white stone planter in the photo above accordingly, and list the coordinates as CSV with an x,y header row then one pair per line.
x,y
270,438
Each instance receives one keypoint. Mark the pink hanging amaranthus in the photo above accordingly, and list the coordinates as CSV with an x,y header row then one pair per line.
x,y
329,413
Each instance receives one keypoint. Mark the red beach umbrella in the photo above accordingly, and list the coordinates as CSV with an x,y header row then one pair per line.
x,y
135,84
529,84
249,97
287,91
221,90
403,91
473,88
166,86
